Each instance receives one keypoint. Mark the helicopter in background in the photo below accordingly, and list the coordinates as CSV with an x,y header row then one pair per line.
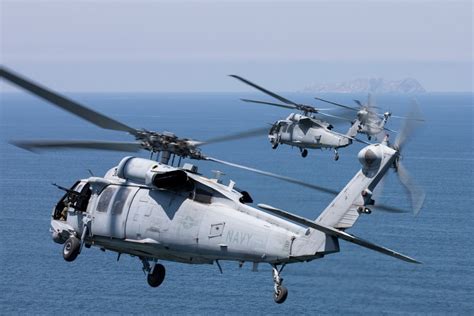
x,y
155,211
368,120
304,130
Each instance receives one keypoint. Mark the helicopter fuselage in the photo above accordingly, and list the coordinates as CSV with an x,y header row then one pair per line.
x,y
306,132
369,123
200,221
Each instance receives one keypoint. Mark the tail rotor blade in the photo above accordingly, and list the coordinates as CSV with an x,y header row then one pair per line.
x,y
389,209
415,193
408,126
407,118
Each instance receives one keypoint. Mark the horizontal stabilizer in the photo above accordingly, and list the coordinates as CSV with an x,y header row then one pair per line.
x,y
336,233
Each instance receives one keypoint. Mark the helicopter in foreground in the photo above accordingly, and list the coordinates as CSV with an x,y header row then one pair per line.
x,y
368,120
155,211
304,130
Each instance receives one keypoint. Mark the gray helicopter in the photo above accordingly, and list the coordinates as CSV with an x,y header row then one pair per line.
x,y
368,120
304,130
155,211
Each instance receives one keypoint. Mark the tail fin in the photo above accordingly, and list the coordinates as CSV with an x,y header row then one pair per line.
x,y
352,132
346,207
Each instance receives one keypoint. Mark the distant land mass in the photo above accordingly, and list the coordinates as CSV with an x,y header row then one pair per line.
x,y
365,85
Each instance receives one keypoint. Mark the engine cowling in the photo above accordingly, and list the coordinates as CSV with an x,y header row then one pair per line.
x,y
147,171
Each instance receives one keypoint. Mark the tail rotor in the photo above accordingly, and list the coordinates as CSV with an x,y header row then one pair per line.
x,y
414,192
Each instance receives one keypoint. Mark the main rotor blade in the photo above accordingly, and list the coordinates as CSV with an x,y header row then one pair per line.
x,y
65,103
37,145
277,176
370,101
359,103
335,116
338,104
271,103
270,93
246,134
415,193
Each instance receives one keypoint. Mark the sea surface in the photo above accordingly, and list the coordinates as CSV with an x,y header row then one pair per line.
x,y
35,279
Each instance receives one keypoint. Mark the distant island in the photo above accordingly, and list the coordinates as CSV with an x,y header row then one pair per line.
x,y
365,85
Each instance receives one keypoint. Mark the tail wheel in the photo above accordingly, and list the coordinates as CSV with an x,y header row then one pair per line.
x,y
71,249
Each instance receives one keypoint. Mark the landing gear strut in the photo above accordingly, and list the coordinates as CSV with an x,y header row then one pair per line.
x,y
280,292
156,276
304,153
336,155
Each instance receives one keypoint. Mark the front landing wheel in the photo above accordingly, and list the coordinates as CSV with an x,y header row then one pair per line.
x,y
281,294
157,276
304,153
71,249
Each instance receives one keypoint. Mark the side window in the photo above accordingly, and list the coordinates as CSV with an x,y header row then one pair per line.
x,y
105,197
120,199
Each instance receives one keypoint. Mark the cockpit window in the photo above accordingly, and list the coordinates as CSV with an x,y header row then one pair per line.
x,y
120,199
83,199
105,198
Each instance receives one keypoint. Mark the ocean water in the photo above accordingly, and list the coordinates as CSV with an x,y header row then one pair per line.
x,y
36,280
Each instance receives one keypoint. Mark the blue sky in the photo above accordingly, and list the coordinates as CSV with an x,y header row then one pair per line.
x,y
193,45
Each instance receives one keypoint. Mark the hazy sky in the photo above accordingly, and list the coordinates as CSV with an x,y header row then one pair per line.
x,y
193,45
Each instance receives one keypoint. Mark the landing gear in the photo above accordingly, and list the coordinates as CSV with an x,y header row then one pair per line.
x,y
336,155
72,248
274,146
156,276
281,293
304,153
369,137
